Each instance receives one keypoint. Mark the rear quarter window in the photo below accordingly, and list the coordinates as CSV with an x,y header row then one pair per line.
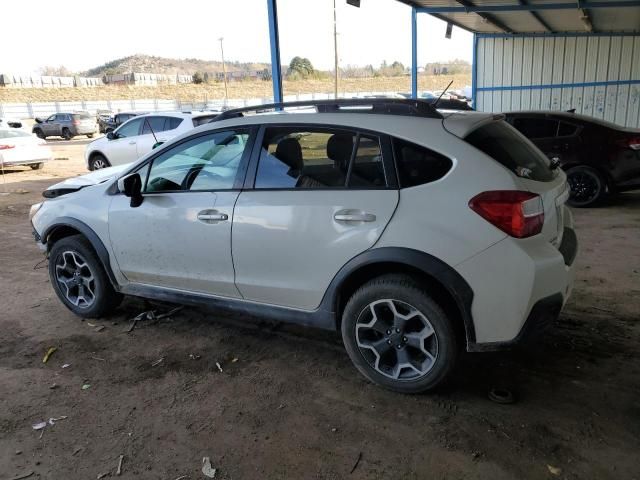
x,y
418,165
512,150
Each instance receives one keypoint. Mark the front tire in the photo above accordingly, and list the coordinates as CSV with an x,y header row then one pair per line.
x,y
89,135
588,187
98,161
397,336
40,134
79,279
37,166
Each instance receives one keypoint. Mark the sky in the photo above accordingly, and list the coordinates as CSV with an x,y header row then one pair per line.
x,y
93,33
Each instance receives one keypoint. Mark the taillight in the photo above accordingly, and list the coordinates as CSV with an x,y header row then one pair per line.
x,y
634,143
76,122
7,147
520,214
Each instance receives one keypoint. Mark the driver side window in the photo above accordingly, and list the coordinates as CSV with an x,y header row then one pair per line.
x,y
207,162
130,129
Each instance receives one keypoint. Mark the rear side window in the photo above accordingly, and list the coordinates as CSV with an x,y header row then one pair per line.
x,y
301,158
418,165
536,127
511,150
155,124
172,122
567,129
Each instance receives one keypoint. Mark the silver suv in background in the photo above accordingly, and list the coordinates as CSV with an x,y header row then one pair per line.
x,y
139,135
65,125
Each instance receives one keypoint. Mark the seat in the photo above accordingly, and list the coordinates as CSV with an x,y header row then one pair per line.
x,y
339,149
289,152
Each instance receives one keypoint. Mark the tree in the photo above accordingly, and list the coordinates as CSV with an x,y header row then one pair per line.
x,y
198,77
301,66
60,71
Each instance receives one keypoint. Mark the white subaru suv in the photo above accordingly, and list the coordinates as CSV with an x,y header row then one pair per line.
x,y
412,232
139,135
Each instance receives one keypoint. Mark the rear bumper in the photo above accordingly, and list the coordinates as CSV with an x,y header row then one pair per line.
x,y
519,287
85,130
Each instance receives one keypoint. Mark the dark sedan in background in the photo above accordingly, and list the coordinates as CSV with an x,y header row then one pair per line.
x,y
109,124
600,158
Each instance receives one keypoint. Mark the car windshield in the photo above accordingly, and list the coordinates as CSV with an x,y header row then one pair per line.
x,y
13,133
511,149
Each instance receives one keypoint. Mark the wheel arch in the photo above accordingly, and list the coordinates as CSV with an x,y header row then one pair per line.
x,y
448,287
66,227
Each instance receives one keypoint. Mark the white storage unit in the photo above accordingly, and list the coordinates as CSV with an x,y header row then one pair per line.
x,y
597,74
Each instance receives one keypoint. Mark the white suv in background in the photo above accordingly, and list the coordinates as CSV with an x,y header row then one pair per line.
x,y
138,136
413,234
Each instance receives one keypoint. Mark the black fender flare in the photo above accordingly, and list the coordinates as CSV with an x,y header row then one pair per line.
x,y
90,235
435,268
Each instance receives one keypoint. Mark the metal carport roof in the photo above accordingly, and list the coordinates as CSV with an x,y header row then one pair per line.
x,y
535,16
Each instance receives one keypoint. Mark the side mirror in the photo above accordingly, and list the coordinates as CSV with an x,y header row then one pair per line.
x,y
131,186
111,135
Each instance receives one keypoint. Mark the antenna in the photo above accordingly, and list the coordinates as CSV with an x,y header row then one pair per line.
x,y
146,120
443,92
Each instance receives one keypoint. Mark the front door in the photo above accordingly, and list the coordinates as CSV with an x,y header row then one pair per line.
x,y
180,237
122,148
313,208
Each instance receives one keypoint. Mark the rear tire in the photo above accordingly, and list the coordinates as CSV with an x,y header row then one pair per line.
x,y
588,187
37,166
98,161
79,279
89,135
66,134
39,133
397,336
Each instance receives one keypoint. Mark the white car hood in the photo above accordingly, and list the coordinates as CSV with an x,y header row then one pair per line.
x,y
93,178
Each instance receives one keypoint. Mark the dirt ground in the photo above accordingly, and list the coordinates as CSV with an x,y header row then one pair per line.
x,y
288,403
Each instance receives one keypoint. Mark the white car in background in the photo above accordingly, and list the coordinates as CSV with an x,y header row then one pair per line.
x,y
18,147
139,135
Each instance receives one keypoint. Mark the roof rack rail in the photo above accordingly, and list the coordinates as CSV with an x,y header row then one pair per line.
x,y
380,106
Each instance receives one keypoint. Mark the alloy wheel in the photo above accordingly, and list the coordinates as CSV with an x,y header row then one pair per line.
x,y
75,279
99,163
585,187
396,339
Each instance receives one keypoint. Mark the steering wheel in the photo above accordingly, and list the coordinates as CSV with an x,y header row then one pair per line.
x,y
198,172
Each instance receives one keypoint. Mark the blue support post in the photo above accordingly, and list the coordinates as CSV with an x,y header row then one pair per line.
x,y
414,53
276,67
474,72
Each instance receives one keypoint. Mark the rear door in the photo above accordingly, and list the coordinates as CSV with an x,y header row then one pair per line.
x,y
316,198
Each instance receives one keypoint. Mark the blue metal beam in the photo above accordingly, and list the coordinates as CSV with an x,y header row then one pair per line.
x,y
531,8
414,53
474,72
274,37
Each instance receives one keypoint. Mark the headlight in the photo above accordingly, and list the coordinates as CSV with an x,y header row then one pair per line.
x,y
34,209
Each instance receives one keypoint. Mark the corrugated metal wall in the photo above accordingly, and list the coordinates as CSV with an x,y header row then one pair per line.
x,y
598,75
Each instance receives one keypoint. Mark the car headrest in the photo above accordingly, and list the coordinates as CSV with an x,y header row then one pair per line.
x,y
339,148
289,151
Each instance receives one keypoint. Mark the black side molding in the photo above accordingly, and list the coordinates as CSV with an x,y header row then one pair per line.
x,y
93,238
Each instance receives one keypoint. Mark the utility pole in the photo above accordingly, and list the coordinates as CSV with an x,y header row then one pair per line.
x,y
224,71
335,49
